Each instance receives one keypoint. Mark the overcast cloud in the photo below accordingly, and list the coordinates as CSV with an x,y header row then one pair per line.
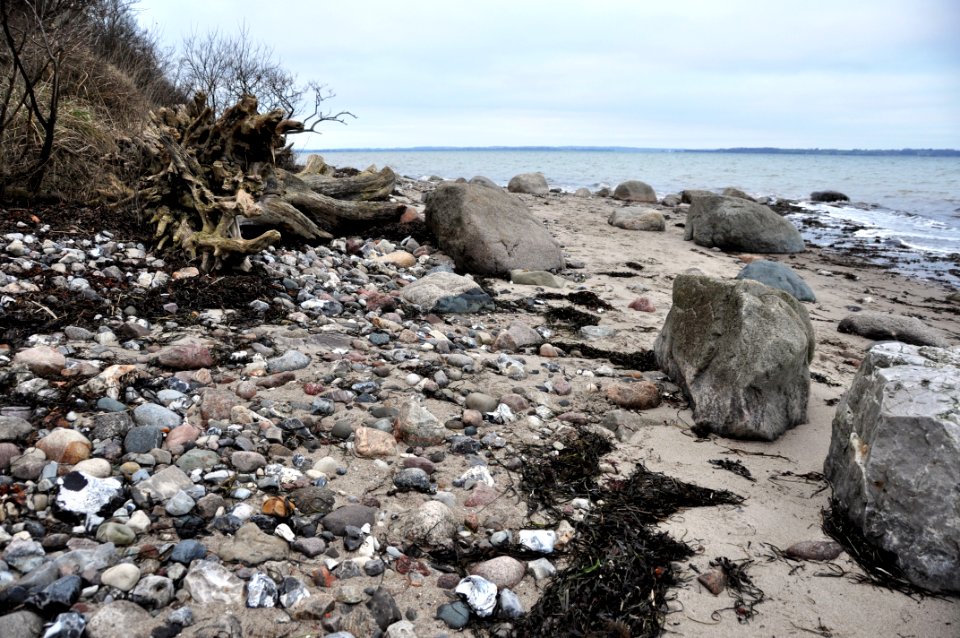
x,y
672,73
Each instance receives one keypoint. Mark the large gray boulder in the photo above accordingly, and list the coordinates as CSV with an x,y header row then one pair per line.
x,y
741,353
894,460
731,223
777,275
688,195
883,327
635,191
489,232
529,183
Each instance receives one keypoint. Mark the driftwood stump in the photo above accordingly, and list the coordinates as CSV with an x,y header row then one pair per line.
x,y
205,179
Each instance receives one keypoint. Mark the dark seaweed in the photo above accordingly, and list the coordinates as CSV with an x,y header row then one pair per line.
x,y
570,315
618,565
584,298
737,467
642,361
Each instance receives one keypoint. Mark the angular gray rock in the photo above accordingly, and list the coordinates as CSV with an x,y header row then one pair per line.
x,y
161,486
153,592
489,232
894,459
156,415
730,223
529,183
741,352
883,327
209,582
635,191
354,515
777,275
250,546
13,428
446,292
142,439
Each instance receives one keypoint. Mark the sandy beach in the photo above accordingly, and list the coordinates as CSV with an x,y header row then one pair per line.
x,y
779,509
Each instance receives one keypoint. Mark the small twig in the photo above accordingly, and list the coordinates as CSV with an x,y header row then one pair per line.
x,y
736,450
49,312
821,630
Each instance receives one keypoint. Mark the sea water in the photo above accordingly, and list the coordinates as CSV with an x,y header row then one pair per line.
x,y
905,210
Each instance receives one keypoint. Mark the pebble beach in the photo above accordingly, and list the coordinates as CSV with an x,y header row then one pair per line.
x,y
279,453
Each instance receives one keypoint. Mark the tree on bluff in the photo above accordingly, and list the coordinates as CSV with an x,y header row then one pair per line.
x,y
75,75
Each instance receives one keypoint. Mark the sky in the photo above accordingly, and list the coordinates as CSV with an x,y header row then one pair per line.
x,y
642,73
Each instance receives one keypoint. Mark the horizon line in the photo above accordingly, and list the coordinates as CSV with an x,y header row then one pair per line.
x,y
741,149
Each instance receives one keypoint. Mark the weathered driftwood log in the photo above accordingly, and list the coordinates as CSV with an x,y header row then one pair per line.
x,y
364,186
205,179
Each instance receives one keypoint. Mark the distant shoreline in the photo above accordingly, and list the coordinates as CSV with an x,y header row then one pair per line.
x,y
903,152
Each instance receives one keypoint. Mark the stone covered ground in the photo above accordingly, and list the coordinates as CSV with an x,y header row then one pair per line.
x,y
296,451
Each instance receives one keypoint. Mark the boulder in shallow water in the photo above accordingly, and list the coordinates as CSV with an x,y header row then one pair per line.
x,y
488,231
883,327
736,224
635,191
828,196
529,183
741,353
894,459
777,275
